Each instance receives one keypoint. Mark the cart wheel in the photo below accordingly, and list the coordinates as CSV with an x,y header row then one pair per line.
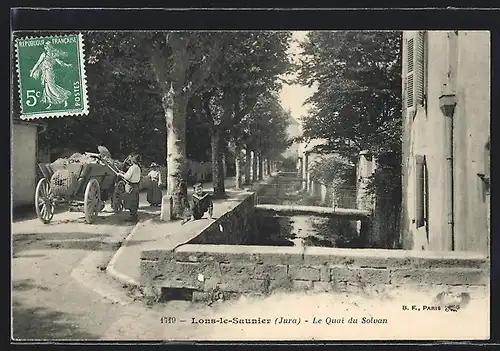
x,y
92,200
118,196
44,205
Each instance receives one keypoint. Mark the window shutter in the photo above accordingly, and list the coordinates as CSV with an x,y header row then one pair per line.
x,y
410,72
419,49
419,191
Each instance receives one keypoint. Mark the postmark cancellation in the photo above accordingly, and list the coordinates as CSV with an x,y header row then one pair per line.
x,y
51,76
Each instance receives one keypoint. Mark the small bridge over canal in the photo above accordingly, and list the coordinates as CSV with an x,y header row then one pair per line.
x,y
290,210
283,195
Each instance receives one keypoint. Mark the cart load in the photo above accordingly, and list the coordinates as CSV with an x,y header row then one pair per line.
x,y
83,181
64,181
85,158
66,171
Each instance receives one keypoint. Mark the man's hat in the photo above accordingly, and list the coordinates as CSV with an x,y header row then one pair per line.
x,y
154,164
135,157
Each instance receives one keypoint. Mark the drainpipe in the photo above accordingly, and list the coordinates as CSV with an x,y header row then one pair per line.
x,y
447,103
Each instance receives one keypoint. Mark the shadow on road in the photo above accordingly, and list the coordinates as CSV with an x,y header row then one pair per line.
x,y
65,241
27,284
56,240
56,236
32,323
29,255
28,212
119,219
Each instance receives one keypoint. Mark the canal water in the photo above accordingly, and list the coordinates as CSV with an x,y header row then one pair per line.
x,y
300,230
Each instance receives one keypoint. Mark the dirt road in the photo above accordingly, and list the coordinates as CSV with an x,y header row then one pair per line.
x,y
47,301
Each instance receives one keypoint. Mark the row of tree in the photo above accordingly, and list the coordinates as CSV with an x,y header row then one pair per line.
x,y
170,95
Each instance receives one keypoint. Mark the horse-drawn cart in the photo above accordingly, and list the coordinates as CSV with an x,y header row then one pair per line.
x,y
83,187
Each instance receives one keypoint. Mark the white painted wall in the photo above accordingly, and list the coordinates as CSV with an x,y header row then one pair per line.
x,y
23,164
427,136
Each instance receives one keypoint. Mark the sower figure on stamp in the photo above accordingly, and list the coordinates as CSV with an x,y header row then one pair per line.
x,y
201,203
44,70
133,177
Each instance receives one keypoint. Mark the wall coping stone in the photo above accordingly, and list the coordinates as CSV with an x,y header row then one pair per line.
x,y
327,251
241,249
316,256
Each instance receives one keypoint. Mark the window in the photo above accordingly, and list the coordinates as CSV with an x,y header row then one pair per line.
x,y
416,66
421,203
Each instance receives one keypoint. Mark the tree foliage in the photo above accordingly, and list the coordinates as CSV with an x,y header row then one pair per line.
x,y
125,113
334,170
265,127
357,105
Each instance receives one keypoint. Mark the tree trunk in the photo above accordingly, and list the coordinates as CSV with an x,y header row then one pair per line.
x,y
261,167
174,101
224,164
268,166
254,166
305,165
257,162
175,115
217,164
248,163
237,164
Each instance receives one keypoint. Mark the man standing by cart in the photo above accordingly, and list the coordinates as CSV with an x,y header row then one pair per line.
x,y
132,178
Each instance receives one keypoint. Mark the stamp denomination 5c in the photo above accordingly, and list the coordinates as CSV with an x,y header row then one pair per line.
x,y
51,76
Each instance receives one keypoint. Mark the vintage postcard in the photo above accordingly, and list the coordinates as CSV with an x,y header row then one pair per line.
x,y
51,76
251,185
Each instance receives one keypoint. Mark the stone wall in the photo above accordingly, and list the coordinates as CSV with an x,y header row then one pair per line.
x,y
219,258
235,227
264,269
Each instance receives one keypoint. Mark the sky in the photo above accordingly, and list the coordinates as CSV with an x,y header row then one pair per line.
x,y
293,96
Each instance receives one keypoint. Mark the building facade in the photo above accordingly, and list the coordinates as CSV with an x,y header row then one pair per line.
x,y
446,131
24,146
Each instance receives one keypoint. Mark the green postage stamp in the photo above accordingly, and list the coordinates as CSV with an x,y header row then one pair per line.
x,y
51,76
